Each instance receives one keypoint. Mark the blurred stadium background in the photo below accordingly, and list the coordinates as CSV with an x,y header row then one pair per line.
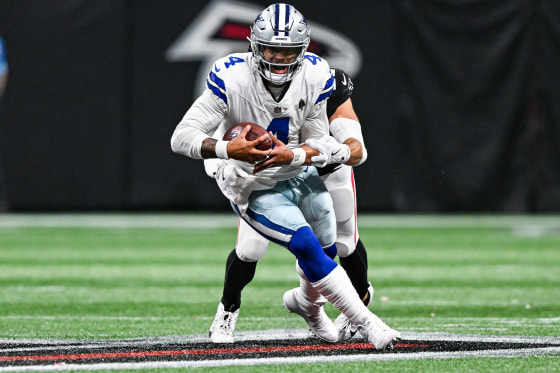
x,y
458,100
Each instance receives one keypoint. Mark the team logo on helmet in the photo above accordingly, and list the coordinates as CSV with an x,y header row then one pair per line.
x,y
223,27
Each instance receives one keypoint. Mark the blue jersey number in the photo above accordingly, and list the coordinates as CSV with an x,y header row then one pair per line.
x,y
313,59
233,61
280,127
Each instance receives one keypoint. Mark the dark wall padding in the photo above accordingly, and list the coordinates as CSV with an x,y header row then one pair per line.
x,y
458,101
63,114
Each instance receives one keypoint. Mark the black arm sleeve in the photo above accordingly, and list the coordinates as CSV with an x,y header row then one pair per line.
x,y
343,88
342,91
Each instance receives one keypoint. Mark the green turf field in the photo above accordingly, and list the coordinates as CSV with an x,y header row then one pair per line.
x,y
97,276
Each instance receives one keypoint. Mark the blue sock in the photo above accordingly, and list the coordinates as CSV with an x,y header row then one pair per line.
x,y
313,260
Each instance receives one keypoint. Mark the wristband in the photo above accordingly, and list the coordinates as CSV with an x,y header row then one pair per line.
x,y
299,157
221,149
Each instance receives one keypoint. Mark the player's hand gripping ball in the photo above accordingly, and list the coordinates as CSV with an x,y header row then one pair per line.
x,y
254,133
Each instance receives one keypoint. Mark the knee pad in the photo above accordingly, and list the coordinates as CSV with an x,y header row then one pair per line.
x,y
250,250
250,246
345,245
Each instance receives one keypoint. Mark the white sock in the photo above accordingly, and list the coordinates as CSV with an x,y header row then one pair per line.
x,y
308,292
338,290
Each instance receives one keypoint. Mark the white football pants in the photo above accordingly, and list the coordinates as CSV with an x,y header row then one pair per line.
x,y
251,246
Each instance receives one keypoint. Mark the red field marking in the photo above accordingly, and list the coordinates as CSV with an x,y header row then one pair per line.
x,y
211,351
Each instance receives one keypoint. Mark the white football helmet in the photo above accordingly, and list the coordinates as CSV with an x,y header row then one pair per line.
x,y
279,26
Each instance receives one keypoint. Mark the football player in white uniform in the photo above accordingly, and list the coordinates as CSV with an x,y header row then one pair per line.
x,y
279,86
339,179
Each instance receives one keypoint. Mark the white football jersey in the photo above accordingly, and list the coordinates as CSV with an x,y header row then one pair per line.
x,y
236,93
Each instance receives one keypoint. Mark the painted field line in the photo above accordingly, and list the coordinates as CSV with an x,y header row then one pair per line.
x,y
256,335
498,320
527,224
62,345
109,220
505,353
126,318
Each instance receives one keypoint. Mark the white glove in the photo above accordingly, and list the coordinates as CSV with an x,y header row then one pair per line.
x,y
330,151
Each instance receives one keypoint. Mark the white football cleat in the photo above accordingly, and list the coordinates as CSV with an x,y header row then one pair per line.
x,y
379,334
346,330
223,326
314,315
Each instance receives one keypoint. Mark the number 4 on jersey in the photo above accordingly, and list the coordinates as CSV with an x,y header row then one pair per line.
x,y
232,61
280,127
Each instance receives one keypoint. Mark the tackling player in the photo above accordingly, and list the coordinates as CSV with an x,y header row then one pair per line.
x,y
279,86
339,180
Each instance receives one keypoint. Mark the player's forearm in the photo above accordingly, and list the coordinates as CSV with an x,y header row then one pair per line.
x,y
349,132
192,134
356,152
187,141
309,152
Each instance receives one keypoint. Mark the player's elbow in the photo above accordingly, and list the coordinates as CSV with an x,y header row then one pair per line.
x,y
175,143
363,157
182,143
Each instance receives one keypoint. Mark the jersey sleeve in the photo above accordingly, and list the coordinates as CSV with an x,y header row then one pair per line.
x,y
203,118
215,83
199,122
343,91
317,124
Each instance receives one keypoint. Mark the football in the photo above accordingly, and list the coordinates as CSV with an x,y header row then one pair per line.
x,y
255,132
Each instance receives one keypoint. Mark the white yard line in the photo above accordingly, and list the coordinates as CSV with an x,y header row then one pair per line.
x,y
283,334
257,335
110,220
524,224
266,335
287,360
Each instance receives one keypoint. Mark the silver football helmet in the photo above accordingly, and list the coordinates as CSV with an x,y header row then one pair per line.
x,y
279,26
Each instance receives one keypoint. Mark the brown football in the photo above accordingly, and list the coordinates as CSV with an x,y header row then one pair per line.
x,y
255,132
